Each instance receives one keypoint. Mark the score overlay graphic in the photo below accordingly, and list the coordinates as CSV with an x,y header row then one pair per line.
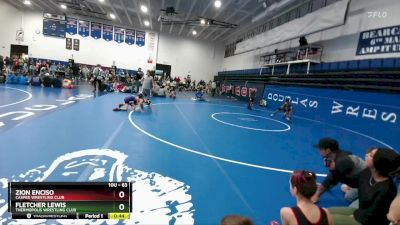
x,y
70,200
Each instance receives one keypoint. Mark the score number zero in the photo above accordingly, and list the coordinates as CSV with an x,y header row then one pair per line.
x,y
121,194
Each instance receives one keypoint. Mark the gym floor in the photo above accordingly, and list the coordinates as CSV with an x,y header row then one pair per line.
x,y
190,162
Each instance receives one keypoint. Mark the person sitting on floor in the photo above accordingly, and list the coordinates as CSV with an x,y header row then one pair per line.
x,y
47,80
303,186
376,190
199,96
236,220
35,80
172,93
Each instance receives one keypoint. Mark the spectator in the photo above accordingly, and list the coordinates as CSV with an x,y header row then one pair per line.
x,y
147,82
97,77
35,80
376,190
394,211
343,167
1,63
138,78
56,82
235,220
303,186
213,88
47,80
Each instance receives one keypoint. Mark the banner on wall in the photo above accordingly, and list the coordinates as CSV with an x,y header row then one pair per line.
x,y
379,41
119,34
68,43
83,28
152,41
95,30
130,37
72,26
140,38
76,44
107,32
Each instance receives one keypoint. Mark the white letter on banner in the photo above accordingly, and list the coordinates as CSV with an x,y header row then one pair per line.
x,y
275,97
313,104
367,113
391,117
295,102
281,98
270,96
352,111
304,102
41,107
336,108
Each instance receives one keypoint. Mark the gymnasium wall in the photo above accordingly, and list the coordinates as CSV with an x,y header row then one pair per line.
x,y
340,43
368,114
201,59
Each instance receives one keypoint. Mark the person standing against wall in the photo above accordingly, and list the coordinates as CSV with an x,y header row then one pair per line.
x,y
147,84
138,78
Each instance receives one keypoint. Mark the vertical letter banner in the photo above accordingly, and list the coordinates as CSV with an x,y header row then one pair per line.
x,y
107,32
95,30
119,34
72,26
130,37
140,38
83,29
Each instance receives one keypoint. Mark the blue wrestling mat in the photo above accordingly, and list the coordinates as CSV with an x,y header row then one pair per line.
x,y
189,162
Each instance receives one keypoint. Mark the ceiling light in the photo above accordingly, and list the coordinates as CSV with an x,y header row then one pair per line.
x,y
217,3
144,8
112,16
203,21
27,2
146,23
194,32
63,6
101,0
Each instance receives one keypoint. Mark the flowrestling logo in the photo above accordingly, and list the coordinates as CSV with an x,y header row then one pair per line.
x,y
157,199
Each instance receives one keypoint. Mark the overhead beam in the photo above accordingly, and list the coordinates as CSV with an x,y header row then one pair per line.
x,y
115,12
203,13
162,7
45,6
177,8
126,13
188,15
215,16
150,15
229,17
137,9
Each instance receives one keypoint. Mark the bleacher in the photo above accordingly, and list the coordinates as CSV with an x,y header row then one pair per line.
x,y
373,74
